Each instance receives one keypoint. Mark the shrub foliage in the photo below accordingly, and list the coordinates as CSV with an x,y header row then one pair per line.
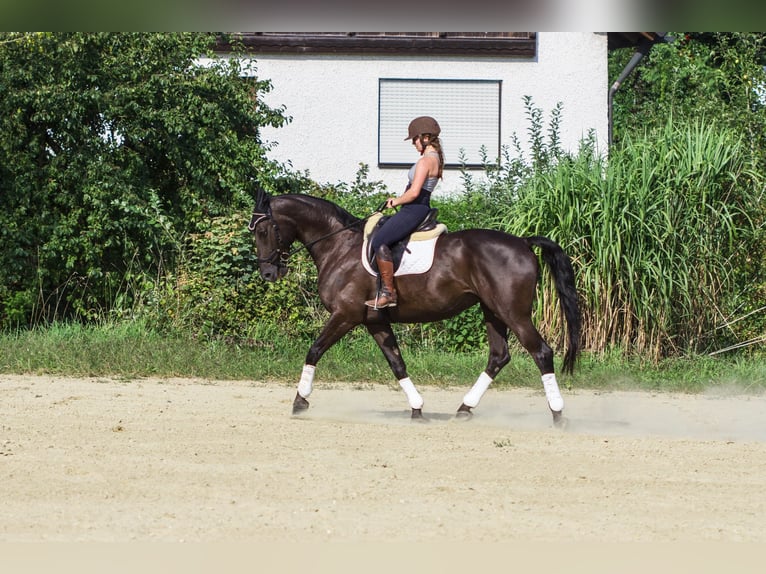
x,y
113,147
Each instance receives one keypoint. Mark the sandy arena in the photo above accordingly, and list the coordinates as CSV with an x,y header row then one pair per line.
x,y
192,460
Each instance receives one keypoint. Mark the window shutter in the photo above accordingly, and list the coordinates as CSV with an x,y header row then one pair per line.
x,y
468,112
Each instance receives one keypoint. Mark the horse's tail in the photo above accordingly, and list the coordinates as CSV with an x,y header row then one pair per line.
x,y
563,275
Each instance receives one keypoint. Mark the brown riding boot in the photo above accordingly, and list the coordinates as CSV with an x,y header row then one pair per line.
x,y
387,295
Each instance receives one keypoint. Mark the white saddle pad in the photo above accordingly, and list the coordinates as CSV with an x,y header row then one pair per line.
x,y
419,255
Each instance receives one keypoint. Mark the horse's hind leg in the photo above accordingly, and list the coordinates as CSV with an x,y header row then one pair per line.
x,y
497,334
543,356
386,340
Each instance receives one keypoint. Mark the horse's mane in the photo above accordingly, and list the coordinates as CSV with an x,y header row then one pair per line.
x,y
324,208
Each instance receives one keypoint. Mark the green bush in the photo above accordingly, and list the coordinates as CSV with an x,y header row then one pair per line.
x,y
114,146
217,293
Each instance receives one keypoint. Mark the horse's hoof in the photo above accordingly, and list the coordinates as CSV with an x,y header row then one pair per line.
x,y
417,415
299,404
559,421
464,412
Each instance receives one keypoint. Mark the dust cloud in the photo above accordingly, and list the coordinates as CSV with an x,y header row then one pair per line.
x,y
727,414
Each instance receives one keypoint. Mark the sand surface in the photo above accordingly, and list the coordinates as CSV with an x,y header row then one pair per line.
x,y
97,460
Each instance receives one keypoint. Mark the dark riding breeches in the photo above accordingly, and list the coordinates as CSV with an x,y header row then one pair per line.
x,y
399,225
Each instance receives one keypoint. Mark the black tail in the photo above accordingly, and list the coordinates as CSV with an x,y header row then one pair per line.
x,y
563,275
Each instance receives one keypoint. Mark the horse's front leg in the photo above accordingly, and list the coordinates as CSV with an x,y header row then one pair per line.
x,y
332,332
386,340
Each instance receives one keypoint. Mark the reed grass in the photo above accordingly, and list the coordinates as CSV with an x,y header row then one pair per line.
x,y
657,233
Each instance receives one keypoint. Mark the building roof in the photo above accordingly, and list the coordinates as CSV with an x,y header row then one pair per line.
x,y
434,43
616,40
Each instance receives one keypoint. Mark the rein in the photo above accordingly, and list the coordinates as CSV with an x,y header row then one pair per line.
x,y
279,252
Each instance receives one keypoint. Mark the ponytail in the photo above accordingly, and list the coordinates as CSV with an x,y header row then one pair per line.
x,y
436,143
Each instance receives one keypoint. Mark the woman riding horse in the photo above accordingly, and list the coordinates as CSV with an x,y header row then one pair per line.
x,y
415,204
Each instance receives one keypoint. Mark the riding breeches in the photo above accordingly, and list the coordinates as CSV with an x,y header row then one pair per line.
x,y
400,225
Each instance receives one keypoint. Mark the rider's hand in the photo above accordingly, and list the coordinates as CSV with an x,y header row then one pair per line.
x,y
390,203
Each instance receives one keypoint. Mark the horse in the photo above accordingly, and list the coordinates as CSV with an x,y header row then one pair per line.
x,y
497,270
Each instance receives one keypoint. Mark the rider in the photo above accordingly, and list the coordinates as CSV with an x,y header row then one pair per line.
x,y
415,203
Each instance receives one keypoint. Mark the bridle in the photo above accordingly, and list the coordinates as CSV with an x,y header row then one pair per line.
x,y
279,256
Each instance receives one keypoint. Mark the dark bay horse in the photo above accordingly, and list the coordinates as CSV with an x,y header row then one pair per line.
x,y
494,269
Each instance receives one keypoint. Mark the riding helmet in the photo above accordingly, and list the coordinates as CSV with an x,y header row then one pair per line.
x,y
423,125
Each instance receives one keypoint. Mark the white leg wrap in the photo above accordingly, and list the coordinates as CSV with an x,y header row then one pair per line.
x,y
413,396
555,401
472,397
306,384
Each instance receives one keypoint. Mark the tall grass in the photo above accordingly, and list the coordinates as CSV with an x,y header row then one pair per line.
x,y
657,232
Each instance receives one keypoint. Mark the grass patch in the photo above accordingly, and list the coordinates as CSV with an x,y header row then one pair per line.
x,y
130,350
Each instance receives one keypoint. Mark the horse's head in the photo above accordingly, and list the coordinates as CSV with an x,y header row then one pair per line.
x,y
272,252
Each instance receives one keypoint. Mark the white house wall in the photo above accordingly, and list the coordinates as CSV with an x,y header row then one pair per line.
x,y
333,101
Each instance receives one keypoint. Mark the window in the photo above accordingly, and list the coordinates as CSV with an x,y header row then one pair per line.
x,y
468,112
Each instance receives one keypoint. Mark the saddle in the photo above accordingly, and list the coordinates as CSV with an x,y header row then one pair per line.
x,y
428,229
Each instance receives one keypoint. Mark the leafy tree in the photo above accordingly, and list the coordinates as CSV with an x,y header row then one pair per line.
x,y
113,148
715,75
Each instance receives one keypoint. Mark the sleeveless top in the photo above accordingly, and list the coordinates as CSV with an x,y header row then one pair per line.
x,y
428,185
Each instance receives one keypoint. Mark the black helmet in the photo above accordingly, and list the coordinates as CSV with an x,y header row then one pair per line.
x,y
423,125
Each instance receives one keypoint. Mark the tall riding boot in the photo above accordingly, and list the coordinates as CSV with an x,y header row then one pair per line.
x,y
387,295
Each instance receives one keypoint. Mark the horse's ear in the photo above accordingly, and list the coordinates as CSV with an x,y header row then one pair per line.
x,y
261,199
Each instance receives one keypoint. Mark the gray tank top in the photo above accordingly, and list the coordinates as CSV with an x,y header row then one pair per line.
x,y
430,183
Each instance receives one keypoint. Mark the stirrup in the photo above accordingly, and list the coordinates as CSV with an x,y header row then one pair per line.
x,y
374,302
